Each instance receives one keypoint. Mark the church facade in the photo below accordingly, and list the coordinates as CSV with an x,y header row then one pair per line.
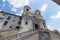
x,y
9,21
28,20
32,26
32,21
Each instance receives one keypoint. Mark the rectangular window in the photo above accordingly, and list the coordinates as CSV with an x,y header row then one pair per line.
x,y
44,25
8,18
13,20
20,18
5,23
1,18
10,26
19,22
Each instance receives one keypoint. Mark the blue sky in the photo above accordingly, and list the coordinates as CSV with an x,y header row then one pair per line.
x,y
49,10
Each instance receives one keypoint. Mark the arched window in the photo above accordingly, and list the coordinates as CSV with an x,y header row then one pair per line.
x,y
27,9
44,24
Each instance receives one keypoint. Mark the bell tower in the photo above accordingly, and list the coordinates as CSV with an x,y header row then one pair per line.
x,y
26,8
37,13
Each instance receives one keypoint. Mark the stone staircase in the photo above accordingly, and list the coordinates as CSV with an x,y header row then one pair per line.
x,y
18,35
27,34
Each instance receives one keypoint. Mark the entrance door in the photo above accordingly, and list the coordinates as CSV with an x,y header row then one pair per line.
x,y
17,27
36,27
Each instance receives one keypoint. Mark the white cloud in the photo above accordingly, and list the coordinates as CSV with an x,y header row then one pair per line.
x,y
32,0
14,9
3,5
56,16
20,14
21,11
17,14
0,10
43,8
4,0
18,3
58,30
50,27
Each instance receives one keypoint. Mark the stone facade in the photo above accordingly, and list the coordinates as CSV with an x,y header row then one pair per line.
x,y
32,21
9,21
32,26
28,20
39,35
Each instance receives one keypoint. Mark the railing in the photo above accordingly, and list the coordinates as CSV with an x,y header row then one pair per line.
x,y
55,35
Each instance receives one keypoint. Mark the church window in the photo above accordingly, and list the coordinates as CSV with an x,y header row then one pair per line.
x,y
44,25
13,20
19,22
17,27
20,18
5,23
10,27
8,18
27,9
1,18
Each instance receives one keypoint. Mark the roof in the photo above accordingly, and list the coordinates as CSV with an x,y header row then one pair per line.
x,y
10,14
